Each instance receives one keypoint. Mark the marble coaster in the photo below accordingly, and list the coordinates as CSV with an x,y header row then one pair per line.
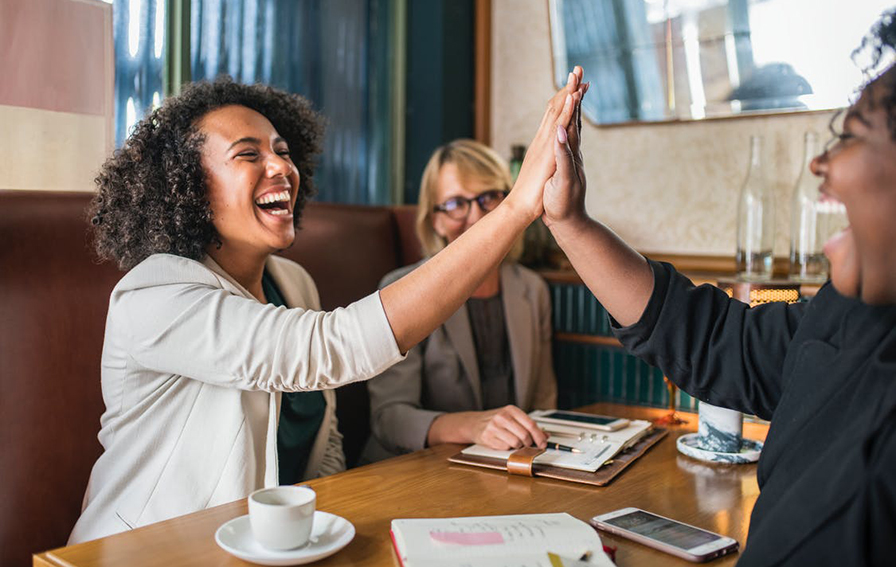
x,y
693,446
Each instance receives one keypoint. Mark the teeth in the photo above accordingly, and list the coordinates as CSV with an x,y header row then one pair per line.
x,y
279,212
273,198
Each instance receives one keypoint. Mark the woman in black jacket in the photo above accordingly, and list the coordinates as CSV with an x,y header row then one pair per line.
x,y
823,373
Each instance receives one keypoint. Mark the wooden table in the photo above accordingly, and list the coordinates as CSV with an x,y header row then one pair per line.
x,y
423,484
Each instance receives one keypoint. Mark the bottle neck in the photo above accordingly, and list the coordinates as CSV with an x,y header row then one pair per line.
x,y
755,152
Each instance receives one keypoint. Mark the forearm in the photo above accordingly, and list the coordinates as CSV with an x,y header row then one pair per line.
x,y
618,276
451,428
418,303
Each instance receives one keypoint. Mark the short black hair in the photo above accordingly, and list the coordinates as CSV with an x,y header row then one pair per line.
x,y
880,43
152,196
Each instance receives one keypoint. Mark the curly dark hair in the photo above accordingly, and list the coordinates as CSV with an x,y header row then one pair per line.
x,y
880,43
152,196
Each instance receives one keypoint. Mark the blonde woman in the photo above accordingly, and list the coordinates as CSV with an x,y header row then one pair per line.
x,y
476,376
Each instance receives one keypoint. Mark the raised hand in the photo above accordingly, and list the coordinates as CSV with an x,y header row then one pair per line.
x,y
540,162
564,192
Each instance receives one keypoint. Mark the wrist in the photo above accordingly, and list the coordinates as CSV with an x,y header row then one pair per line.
x,y
573,223
518,212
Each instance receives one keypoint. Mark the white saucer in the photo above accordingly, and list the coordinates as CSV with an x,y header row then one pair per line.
x,y
329,534
749,452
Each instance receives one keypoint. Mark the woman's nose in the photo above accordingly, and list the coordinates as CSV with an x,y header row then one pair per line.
x,y
817,164
475,213
277,165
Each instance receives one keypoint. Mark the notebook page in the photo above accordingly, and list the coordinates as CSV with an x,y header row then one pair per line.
x,y
515,540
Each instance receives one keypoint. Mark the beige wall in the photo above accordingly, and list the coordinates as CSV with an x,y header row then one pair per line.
x,y
56,93
669,188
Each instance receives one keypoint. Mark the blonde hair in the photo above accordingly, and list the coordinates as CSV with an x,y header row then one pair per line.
x,y
472,159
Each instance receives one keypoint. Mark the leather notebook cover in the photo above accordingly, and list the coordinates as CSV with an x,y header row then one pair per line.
x,y
600,477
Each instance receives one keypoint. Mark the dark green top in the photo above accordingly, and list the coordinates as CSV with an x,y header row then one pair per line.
x,y
301,414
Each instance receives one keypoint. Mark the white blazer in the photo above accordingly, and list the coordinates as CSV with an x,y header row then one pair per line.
x,y
192,370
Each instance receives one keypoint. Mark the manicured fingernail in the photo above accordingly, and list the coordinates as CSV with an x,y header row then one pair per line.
x,y
570,78
561,134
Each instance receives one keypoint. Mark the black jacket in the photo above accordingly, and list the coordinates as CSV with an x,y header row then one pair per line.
x,y
824,373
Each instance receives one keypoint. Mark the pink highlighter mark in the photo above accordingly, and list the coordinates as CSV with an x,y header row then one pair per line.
x,y
468,538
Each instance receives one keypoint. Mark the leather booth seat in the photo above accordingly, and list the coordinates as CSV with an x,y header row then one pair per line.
x,y
53,300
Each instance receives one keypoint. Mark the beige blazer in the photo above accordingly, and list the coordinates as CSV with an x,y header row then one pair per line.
x,y
441,374
192,371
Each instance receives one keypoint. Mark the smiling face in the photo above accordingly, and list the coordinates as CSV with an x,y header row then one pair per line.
x,y
860,171
252,182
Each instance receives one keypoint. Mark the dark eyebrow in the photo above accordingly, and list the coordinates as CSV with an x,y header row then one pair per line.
x,y
854,113
255,141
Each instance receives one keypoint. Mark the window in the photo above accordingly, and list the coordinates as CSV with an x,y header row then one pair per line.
x,y
334,52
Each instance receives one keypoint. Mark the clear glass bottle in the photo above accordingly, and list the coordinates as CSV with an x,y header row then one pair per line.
x,y
755,221
813,220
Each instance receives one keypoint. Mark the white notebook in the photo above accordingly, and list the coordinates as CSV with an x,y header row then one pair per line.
x,y
495,541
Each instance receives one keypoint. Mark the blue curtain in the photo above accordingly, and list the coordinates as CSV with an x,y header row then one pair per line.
x,y
140,43
334,52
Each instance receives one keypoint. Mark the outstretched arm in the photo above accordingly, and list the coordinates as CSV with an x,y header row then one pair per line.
x,y
421,301
619,277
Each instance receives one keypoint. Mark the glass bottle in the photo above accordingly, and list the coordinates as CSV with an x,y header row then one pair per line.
x,y
755,221
813,220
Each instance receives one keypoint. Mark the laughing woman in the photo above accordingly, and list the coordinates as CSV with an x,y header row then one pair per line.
x,y
208,328
824,373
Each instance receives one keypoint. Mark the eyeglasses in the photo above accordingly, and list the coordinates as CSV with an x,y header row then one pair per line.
x,y
458,208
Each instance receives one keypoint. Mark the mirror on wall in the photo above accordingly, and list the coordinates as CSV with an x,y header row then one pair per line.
x,y
664,60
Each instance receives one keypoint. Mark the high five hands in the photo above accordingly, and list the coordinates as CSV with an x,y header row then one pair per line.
x,y
562,118
564,192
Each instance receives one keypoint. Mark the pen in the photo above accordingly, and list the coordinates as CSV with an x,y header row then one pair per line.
x,y
559,447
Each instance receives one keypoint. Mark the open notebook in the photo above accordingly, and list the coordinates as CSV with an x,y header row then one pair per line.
x,y
597,447
495,541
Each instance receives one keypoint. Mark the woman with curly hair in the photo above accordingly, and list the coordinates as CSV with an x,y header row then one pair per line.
x,y
824,373
476,376
208,328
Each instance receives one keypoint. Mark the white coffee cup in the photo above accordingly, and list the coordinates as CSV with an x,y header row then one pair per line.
x,y
720,429
281,517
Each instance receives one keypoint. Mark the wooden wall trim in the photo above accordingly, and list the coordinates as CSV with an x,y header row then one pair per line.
x,y
587,339
704,267
483,71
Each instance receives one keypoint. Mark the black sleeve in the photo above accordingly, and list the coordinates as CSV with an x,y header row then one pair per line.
x,y
716,349
880,495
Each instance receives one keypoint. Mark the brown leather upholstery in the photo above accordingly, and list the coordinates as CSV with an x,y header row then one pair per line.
x,y
53,309
53,301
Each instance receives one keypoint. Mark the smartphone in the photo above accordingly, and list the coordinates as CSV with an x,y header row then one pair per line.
x,y
664,534
602,422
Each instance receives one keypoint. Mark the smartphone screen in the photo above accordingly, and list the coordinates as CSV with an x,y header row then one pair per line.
x,y
662,530
581,418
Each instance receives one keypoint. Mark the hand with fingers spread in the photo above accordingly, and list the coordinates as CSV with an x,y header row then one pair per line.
x,y
564,193
503,429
